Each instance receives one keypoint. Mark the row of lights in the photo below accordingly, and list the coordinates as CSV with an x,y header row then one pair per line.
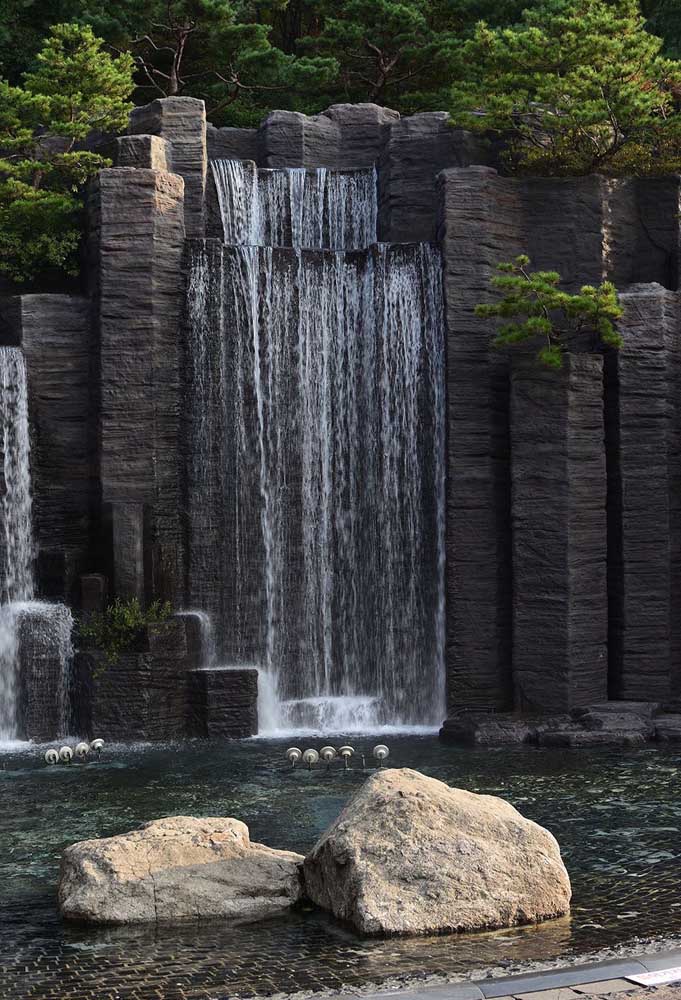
x,y
328,754
81,752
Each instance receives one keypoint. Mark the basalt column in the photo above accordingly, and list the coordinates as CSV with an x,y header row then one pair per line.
x,y
643,485
482,224
559,535
137,238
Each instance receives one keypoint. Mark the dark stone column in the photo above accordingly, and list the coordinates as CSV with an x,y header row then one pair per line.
x,y
415,150
658,255
55,336
481,224
224,702
182,121
638,438
138,238
344,137
146,152
564,220
559,535
231,143
128,550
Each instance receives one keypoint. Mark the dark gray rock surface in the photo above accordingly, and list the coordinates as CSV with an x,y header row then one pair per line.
x,y
147,152
137,235
143,693
638,428
182,121
559,534
55,335
224,702
481,223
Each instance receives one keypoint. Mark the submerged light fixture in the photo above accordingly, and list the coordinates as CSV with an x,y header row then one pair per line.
x,y
380,752
293,754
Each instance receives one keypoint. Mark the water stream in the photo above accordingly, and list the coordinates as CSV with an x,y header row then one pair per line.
x,y
34,635
316,436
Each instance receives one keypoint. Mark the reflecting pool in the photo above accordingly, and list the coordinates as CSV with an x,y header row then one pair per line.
x,y
616,815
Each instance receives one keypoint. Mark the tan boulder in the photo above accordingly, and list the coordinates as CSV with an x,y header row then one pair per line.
x,y
410,855
175,870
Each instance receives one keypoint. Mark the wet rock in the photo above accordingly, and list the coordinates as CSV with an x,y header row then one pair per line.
x,y
580,738
473,729
175,870
613,721
409,855
668,728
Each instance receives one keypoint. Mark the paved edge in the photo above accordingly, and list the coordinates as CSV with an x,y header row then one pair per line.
x,y
575,975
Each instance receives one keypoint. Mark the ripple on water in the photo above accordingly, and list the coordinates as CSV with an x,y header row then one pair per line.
x,y
616,816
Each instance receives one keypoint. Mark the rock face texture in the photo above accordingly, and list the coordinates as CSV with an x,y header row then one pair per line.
x,y
643,500
223,702
143,694
409,855
175,870
137,238
560,613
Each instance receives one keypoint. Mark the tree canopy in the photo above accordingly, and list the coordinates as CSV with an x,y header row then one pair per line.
x,y
74,89
578,86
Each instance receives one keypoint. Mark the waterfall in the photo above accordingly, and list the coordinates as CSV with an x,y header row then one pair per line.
x,y
316,439
295,208
16,555
35,638
16,568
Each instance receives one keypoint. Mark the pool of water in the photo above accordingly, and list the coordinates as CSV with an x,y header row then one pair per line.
x,y
617,816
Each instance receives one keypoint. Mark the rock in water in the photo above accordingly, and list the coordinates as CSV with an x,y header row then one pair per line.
x,y
175,870
410,855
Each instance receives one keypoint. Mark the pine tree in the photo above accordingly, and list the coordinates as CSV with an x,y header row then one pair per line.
x,y
535,309
76,89
578,86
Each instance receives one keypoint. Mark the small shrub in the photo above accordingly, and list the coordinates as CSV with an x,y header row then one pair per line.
x,y
121,624
535,308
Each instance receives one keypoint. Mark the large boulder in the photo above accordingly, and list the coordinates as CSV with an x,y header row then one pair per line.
x,y
175,870
410,855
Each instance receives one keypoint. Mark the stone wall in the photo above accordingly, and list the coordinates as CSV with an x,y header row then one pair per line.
x,y
107,380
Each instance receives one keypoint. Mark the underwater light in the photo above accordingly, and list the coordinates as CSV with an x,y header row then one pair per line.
x,y
66,755
310,757
51,756
82,750
293,754
380,752
327,754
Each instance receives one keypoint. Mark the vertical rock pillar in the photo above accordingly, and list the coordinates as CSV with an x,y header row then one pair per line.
x,y
137,232
481,224
641,497
182,122
560,616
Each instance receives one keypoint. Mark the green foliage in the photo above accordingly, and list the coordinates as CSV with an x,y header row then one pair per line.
x,y
245,57
74,89
121,624
533,307
578,86
663,18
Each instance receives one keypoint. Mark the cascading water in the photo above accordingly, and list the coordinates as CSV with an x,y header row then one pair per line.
x,y
49,626
16,556
316,430
296,208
